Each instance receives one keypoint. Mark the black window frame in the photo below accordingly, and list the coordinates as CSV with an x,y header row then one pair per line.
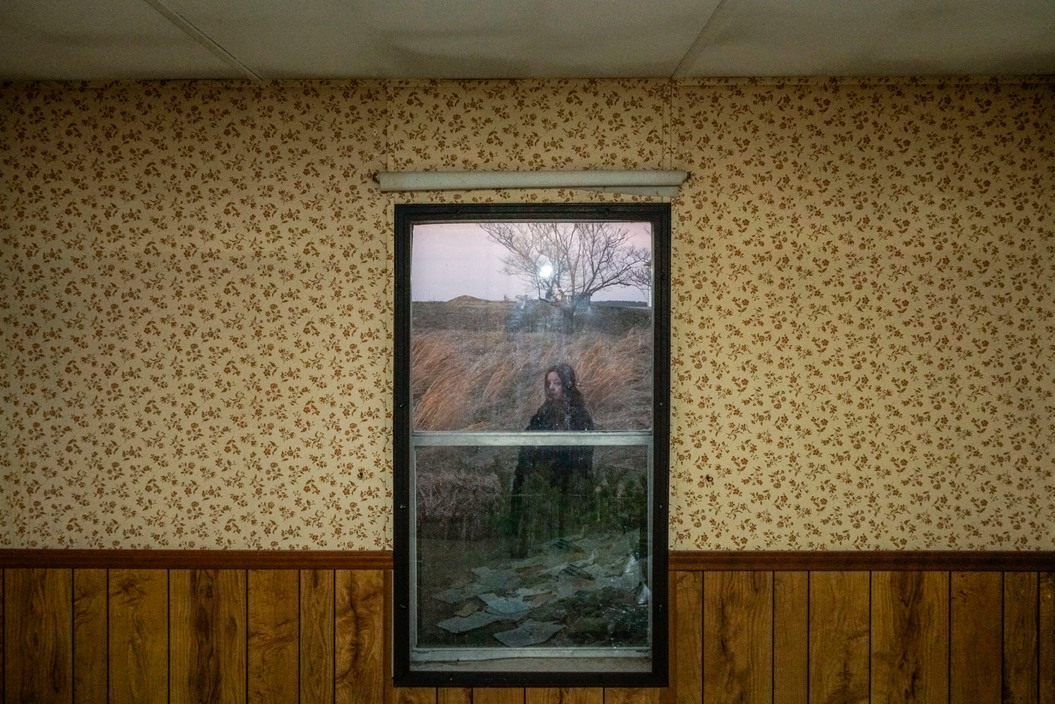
x,y
406,217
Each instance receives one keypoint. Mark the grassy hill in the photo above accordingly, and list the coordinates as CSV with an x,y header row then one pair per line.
x,y
478,365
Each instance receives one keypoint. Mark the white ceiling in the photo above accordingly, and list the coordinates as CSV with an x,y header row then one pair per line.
x,y
266,39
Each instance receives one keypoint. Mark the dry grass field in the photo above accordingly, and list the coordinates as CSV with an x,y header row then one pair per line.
x,y
478,365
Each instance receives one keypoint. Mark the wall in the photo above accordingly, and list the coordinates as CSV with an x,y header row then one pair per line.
x,y
319,635
195,296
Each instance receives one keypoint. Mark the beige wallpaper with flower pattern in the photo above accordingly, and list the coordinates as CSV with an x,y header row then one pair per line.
x,y
196,286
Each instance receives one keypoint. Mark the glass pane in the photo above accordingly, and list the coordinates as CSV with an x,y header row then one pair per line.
x,y
497,307
522,547
542,549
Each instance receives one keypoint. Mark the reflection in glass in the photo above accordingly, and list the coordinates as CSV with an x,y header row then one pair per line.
x,y
485,325
553,564
531,433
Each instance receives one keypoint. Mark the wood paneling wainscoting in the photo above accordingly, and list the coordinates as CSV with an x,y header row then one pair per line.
x,y
773,628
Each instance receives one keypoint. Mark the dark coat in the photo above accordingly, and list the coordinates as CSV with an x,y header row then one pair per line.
x,y
560,463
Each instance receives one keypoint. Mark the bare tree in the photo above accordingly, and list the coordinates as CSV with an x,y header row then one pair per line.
x,y
567,263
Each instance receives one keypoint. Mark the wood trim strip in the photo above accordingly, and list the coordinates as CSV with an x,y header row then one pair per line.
x,y
199,559
678,560
864,561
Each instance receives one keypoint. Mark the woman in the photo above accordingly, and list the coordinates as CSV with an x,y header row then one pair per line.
x,y
564,409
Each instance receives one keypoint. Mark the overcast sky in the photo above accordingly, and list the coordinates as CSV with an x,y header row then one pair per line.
x,y
457,259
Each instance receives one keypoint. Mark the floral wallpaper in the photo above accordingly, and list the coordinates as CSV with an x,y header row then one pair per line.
x,y
864,320
196,302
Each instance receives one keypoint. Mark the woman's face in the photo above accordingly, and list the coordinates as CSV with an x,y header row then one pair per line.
x,y
554,387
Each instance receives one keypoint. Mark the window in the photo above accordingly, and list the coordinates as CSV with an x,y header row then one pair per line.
x,y
531,444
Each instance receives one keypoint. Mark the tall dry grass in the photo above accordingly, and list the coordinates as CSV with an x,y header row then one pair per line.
x,y
479,381
473,371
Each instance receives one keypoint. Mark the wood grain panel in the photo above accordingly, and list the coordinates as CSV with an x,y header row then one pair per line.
x,y
498,695
95,636
738,637
361,652
564,695
138,615
317,636
975,637
910,637
839,634
3,659
38,635
414,695
1046,637
90,635
1020,638
273,642
634,695
791,646
454,695
687,628
208,650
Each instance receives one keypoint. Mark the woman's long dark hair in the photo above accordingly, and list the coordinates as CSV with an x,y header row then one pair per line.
x,y
568,382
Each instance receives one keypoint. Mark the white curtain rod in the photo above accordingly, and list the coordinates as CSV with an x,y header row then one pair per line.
x,y
663,183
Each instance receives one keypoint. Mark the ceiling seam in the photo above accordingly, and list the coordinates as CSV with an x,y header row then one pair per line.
x,y
692,50
202,38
